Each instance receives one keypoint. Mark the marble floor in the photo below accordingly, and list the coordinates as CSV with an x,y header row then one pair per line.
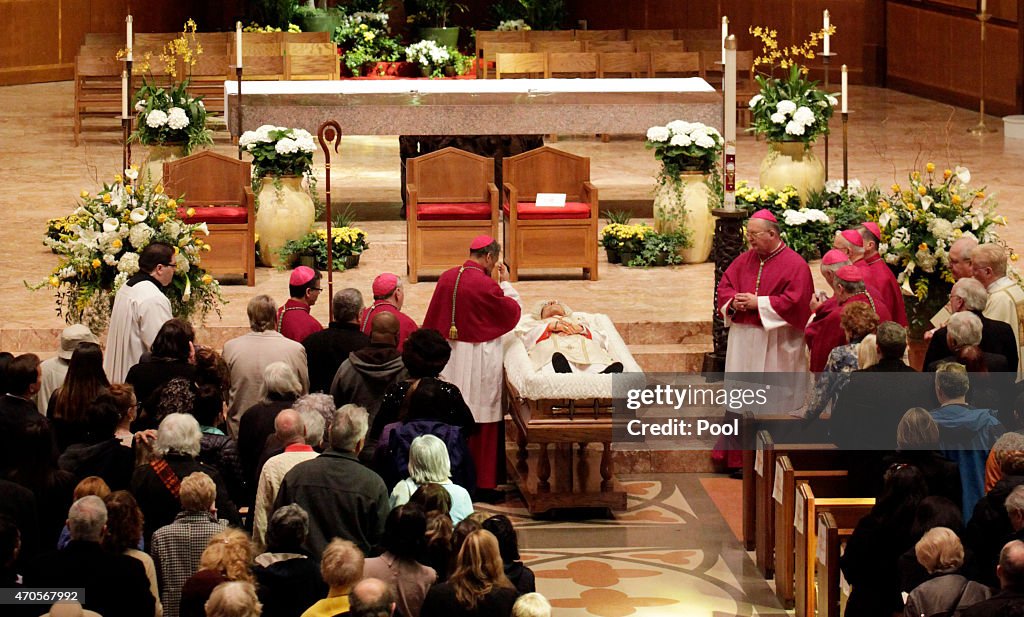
x,y
674,551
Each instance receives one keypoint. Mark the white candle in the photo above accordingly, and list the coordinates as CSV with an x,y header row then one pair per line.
x,y
124,95
825,45
984,5
845,107
128,46
725,34
238,43
729,85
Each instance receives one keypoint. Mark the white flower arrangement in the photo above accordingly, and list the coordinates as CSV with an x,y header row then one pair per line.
x,y
279,150
434,59
684,146
510,25
803,216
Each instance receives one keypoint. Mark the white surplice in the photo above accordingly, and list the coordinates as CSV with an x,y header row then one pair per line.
x,y
138,314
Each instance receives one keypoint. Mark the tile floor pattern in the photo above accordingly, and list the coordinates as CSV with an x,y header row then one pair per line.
x,y
670,553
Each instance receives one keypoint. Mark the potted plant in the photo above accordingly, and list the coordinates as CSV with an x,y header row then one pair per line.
x,y
688,152
433,17
281,158
791,112
806,230
100,251
609,241
170,122
540,14
919,222
660,249
437,61
365,44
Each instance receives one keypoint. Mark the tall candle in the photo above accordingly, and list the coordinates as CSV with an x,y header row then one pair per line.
x,y
984,5
124,95
845,107
729,85
128,45
825,45
725,34
238,43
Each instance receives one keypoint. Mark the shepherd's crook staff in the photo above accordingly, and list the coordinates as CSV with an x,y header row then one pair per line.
x,y
329,131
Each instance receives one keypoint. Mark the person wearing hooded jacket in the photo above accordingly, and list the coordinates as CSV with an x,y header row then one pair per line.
x,y
366,375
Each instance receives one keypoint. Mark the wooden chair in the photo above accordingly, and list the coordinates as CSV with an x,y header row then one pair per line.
x,y
97,90
218,188
647,35
657,45
675,64
213,43
705,44
311,61
545,36
573,64
689,34
491,51
259,68
746,85
556,46
486,38
305,37
152,40
531,64
451,199
600,35
105,39
611,46
549,237
711,66
614,64
253,43
99,50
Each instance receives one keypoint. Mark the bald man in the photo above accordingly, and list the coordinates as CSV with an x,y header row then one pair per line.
x,y
1005,296
363,378
1010,572
290,431
371,597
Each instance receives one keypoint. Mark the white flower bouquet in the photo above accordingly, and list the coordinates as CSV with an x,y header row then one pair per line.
x,y
436,60
510,25
100,251
684,146
279,151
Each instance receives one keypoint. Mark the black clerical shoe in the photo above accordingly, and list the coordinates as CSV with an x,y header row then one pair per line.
x,y
614,367
560,363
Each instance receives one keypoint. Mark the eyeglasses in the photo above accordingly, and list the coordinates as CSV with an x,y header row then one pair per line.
x,y
316,288
169,265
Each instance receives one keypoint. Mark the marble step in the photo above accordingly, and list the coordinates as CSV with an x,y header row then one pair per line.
x,y
671,358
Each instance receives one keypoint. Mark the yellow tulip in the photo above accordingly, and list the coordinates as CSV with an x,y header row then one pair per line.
x,y
118,179
981,194
930,167
116,243
922,191
190,212
895,188
947,173
106,198
159,189
1014,257
96,263
54,281
161,218
207,279
956,200
922,247
916,175
84,194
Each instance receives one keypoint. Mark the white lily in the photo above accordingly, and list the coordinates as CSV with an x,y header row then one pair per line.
x,y
110,224
926,202
963,174
139,215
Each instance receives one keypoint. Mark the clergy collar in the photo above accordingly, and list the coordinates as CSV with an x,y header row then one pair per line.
x,y
140,276
873,260
774,252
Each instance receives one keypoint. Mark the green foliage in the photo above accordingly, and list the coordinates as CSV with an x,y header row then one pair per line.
x,y
622,217
539,14
791,108
433,13
437,61
364,40
163,111
345,218
661,249
275,13
278,151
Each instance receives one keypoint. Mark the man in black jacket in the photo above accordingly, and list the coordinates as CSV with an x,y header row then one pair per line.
x,y
1011,584
327,349
996,336
17,405
115,585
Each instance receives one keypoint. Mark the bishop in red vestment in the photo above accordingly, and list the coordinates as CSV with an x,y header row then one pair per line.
x,y
388,297
293,319
825,335
877,275
473,312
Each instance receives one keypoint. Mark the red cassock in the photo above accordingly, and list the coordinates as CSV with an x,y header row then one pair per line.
x,y
879,277
484,312
824,335
295,322
406,325
783,276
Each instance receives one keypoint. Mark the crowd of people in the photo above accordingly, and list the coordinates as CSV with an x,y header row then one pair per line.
x,y
305,471
941,450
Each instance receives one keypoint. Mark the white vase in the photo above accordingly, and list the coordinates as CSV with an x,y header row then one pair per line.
x,y
792,163
156,156
683,203
284,214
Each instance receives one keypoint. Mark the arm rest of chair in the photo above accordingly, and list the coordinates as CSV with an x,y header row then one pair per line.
x,y
412,199
590,193
492,196
511,195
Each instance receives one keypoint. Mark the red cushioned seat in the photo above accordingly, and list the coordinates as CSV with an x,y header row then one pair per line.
x,y
219,214
480,211
529,211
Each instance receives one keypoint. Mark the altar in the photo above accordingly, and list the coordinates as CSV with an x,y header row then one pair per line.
x,y
476,107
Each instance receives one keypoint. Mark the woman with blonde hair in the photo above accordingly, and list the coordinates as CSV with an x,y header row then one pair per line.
x,y
228,557
478,587
940,552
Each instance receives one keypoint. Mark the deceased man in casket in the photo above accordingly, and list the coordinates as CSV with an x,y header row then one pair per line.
x,y
559,341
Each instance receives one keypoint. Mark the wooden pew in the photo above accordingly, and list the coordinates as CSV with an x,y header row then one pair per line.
x,y
807,455
831,538
846,511
825,483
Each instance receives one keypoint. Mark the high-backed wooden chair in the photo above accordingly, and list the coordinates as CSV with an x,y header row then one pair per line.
x,y
259,68
311,61
305,37
572,64
600,35
218,188
538,36
253,43
544,237
613,64
491,50
532,64
487,38
675,64
105,39
151,41
658,45
214,43
704,44
611,46
556,46
451,199
97,89
647,35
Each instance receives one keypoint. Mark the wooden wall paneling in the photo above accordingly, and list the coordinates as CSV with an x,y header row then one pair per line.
x,y
29,40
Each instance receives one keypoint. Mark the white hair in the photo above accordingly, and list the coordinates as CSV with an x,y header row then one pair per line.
x,y
429,461
1015,500
349,427
233,599
964,329
86,519
178,432
316,411
531,605
279,378
972,292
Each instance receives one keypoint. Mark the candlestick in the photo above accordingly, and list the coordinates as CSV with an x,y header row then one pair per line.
x,y
725,35
826,60
729,185
825,43
238,109
124,94
729,87
238,44
128,44
984,6
846,150
980,128
844,93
